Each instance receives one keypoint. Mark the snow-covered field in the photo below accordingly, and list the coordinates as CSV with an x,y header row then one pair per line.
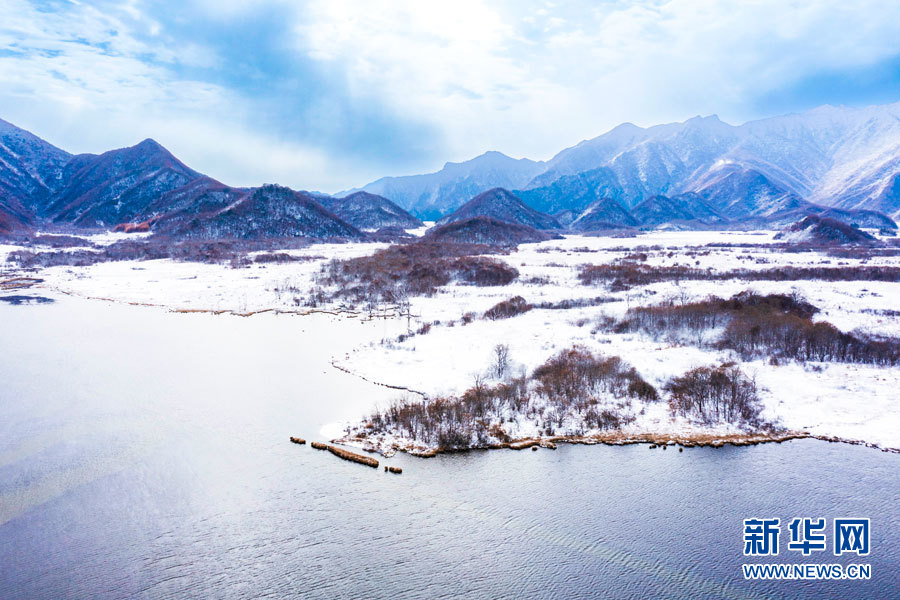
x,y
851,401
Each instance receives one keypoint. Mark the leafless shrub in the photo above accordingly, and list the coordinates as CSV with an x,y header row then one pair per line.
x,y
154,248
754,325
567,385
716,395
484,271
507,308
283,257
575,303
625,275
413,269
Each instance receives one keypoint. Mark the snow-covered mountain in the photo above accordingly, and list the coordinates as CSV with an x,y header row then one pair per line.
x,y
822,231
117,186
369,211
832,156
488,231
500,204
270,211
701,172
31,171
433,195
145,185
605,213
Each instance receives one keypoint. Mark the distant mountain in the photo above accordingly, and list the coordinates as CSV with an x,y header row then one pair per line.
x,y
433,195
888,200
502,205
200,196
145,187
574,192
817,230
117,186
12,220
488,231
684,208
736,192
369,211
847,158
859,218
603,214
31,170
835,162
270,211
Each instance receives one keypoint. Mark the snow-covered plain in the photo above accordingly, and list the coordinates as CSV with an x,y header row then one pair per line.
x,y
850,401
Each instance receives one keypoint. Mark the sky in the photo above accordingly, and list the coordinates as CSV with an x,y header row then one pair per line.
x,y
328,95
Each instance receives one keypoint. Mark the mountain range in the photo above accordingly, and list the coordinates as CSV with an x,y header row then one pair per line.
x,y
432,196
144,187
834,162
841,157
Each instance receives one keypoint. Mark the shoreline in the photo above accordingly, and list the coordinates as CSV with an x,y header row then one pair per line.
x,y
615,438
610,438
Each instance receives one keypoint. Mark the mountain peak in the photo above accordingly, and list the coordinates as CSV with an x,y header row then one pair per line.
x,y
713,118
707,122
151,145
499,203
489,158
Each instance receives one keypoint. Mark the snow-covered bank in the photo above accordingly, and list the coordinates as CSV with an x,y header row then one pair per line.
x,y
850,401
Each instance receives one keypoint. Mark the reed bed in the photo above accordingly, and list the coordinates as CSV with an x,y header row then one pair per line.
x,y
353,456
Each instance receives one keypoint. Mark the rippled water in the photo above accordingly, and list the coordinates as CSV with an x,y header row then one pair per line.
x,y
145,454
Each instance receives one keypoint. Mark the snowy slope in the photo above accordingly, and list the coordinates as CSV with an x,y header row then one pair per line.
x,y
433,195
833,156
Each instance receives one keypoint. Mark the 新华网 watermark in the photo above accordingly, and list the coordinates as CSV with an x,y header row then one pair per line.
x,y
807,536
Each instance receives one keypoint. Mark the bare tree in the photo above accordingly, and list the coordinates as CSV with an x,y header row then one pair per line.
x,y
501,361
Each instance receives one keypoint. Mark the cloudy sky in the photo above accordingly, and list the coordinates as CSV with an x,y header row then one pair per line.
x,y
331,94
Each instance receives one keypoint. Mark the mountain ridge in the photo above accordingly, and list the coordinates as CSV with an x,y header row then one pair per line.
x,y
833,156
145,187
501,204
836,162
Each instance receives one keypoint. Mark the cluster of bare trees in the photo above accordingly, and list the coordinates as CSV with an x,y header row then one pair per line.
x,y
716,395
578,374
789,336
755,325
575,386
226,251
414,269
625,275
455,422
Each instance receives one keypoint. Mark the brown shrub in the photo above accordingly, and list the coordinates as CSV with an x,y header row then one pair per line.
x,y
484,271
507,308
754,325
625,275
716,395
395,273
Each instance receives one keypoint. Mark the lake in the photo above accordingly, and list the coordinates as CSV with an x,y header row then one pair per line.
x,y
145,453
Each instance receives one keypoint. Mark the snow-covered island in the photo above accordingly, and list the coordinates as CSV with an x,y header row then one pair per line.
x,y
703,337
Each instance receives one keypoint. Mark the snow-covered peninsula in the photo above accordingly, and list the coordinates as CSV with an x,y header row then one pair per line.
x,y
583,338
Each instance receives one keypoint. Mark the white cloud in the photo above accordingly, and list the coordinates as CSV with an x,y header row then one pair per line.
x,y
537,79
527,78
86,90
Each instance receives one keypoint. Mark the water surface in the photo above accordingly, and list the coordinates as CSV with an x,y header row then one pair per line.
x,y
145,454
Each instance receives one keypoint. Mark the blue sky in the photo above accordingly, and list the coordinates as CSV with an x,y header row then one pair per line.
x,y
332,94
